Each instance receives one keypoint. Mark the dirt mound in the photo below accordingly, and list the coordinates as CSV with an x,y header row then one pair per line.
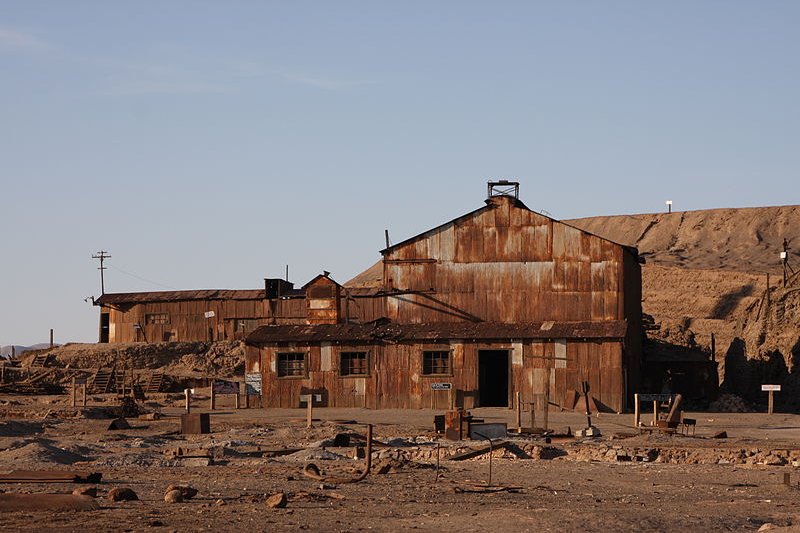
x,y
745,239
222,359
35,452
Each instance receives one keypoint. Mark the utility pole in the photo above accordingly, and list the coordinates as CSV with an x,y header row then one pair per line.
x,y
785,259
101,255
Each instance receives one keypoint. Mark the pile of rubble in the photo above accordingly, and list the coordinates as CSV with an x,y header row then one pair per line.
x,y
730,403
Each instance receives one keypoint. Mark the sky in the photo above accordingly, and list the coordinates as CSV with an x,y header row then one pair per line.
x,y
209,144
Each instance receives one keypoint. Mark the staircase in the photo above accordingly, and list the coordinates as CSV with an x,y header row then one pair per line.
x,y
103,380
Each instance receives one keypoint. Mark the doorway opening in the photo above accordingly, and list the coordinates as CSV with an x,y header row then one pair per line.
x,y
493,378
104,326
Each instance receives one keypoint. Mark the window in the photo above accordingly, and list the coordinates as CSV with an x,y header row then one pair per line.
x,y
354,364
245,325
292,365
436,362
156,318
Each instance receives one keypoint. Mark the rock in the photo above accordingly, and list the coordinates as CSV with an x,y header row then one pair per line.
x,y
150,416
173,496
119,423
86,491
187,492
720,435
220,502
156,523
196,461
766,526
122,494
277,501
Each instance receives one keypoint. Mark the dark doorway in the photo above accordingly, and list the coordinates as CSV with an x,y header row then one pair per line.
x,y
493,378
104,322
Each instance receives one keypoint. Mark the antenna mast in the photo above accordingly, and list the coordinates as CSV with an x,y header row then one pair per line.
x,y
102,256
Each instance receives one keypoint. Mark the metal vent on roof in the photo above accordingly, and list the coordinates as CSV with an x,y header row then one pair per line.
x,y
503,188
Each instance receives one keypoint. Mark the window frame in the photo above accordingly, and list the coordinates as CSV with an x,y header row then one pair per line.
x,y
278,355
367,362
148,321
449,370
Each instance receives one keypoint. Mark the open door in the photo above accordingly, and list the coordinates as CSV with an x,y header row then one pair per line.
x,y
493,378
104,326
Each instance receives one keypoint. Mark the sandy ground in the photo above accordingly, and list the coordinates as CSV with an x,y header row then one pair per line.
x,y
691,485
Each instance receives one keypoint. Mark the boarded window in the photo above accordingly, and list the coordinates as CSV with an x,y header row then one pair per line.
x,y
156,318
561,353
245,325
354,364
436,362
292,365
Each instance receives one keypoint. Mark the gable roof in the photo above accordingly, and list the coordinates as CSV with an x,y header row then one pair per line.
x,y
317,277
490,203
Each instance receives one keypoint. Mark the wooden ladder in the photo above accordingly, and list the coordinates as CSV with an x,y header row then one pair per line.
x,y
102,380
40,360
155,383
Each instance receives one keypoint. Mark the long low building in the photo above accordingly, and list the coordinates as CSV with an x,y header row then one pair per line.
x,y
197,315
498,301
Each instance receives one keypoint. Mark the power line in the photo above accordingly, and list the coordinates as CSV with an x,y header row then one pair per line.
x,y
141,278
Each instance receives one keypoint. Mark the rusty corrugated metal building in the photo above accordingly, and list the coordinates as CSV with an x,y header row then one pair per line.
x,y
198,315
498,301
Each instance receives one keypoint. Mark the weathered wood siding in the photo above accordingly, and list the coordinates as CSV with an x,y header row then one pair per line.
x,y
187,320
396,378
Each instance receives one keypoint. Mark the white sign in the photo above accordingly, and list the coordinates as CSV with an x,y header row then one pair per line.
x,y
253,383
767,388
441,386
209,314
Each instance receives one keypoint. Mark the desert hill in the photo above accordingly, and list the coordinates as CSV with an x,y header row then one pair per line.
x,y
744,240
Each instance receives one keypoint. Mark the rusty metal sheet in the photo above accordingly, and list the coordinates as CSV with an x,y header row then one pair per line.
x,y
50,476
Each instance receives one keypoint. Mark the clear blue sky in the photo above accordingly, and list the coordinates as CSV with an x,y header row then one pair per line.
x,y
207,144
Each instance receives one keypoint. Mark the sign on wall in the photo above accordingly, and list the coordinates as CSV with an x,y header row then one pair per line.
x,y
441,386
767,388
252,382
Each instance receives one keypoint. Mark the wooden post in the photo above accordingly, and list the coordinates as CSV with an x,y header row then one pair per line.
x,y
187,393
533,412
85,385
51,337
519,412
74,395
655,412
213,403
546,412
636,413
770,404
236,400
310,411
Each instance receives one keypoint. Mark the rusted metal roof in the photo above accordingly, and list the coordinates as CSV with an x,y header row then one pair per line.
x,y
609,329
490,203
176,296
